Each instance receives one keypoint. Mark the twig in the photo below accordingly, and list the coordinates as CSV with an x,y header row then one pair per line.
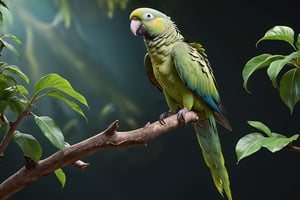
x,y
292,148
80,164
13,126
108,139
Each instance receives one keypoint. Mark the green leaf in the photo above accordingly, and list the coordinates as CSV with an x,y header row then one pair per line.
x,y
289,88
29,145
2,65
60,175
7,93
298,42
253,142
3,81
51,131
54,81
10,80
3,106
13,38
3,4
277,143
16,105
71,104
283,33
15,70
257,63
260,126
3,126
248,145
22,89
9,46
277,65
7,88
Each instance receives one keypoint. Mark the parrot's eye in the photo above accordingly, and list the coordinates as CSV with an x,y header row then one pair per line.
x,y
148,16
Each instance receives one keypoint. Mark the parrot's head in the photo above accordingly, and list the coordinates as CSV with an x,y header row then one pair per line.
x,y
148,22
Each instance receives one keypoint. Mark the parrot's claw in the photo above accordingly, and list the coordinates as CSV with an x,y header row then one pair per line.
x,y
181,116
164,115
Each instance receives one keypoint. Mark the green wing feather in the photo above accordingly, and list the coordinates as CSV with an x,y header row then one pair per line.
x,y
194,69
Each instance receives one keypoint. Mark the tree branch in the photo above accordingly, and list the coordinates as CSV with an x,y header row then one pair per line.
x,y
108,139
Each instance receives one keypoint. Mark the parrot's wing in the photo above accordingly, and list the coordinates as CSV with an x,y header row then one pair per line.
x,y
194,69
149,71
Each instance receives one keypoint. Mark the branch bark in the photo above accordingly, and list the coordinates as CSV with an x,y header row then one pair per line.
x,y
108,139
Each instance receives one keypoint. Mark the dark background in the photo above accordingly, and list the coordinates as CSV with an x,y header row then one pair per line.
x,y
103,61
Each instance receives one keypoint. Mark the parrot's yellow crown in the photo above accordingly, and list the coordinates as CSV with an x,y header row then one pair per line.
x,y
141,13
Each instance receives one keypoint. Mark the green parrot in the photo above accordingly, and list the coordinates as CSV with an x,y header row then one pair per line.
x,y
183,73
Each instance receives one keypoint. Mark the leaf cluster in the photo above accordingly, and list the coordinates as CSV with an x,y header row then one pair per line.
x,y
252,142
15,98
288,85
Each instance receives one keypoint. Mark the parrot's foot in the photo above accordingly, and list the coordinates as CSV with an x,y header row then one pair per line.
x,y
181,116
164,115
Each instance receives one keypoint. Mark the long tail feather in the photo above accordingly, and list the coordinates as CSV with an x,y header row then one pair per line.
x,y
209,142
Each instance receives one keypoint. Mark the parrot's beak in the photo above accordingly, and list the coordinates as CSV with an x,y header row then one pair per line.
x,y
137,27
